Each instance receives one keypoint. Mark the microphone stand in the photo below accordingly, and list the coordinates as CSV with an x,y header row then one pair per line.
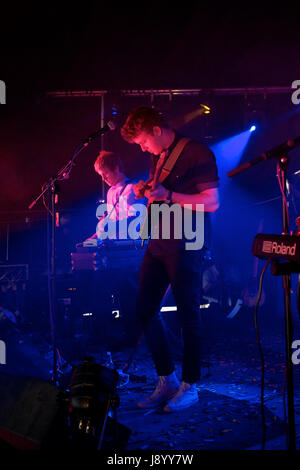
x,y
51,188
281,154
282,166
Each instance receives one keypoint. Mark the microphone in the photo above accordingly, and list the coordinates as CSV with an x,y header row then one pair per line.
x,y
276,152
110,126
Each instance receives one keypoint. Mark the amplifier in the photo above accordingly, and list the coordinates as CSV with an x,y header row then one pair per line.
x,y
91,261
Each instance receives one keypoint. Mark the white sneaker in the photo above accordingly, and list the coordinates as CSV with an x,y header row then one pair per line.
x,y
167,387
186,396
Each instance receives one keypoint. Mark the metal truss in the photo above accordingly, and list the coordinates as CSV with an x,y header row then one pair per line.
x,y
243,91
10,274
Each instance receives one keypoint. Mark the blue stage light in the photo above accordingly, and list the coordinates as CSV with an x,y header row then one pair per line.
x,y
252,128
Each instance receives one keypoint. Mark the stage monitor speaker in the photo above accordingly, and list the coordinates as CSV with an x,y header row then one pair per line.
x,y
28,412
34,416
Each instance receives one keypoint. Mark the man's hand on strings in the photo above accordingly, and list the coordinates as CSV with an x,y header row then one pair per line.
x,y
160,193
140,188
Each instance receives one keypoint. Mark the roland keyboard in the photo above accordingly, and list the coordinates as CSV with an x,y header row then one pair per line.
x,y
277,246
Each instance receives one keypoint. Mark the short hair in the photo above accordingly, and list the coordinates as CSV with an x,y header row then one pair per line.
x,y
108,160
141,119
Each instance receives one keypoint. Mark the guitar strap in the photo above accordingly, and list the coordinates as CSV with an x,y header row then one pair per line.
x,y
166,169
172,159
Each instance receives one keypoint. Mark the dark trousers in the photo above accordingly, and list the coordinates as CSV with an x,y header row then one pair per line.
x,y
183,270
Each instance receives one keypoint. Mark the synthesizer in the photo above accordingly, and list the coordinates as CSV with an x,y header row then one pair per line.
x,y
277,246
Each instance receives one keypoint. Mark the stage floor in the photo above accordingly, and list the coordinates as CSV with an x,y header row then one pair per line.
x,y
228,414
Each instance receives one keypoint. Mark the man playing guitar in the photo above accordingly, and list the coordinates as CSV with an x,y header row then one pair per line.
x,y
192,181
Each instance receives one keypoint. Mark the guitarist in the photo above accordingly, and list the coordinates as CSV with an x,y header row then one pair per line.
x,y
192,180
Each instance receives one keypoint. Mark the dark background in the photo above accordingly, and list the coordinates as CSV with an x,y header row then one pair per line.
x,y
88,45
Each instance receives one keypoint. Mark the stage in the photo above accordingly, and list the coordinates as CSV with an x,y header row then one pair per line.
x,y
228,414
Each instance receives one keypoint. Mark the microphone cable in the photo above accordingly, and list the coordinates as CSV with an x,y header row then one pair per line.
x,y
262,407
